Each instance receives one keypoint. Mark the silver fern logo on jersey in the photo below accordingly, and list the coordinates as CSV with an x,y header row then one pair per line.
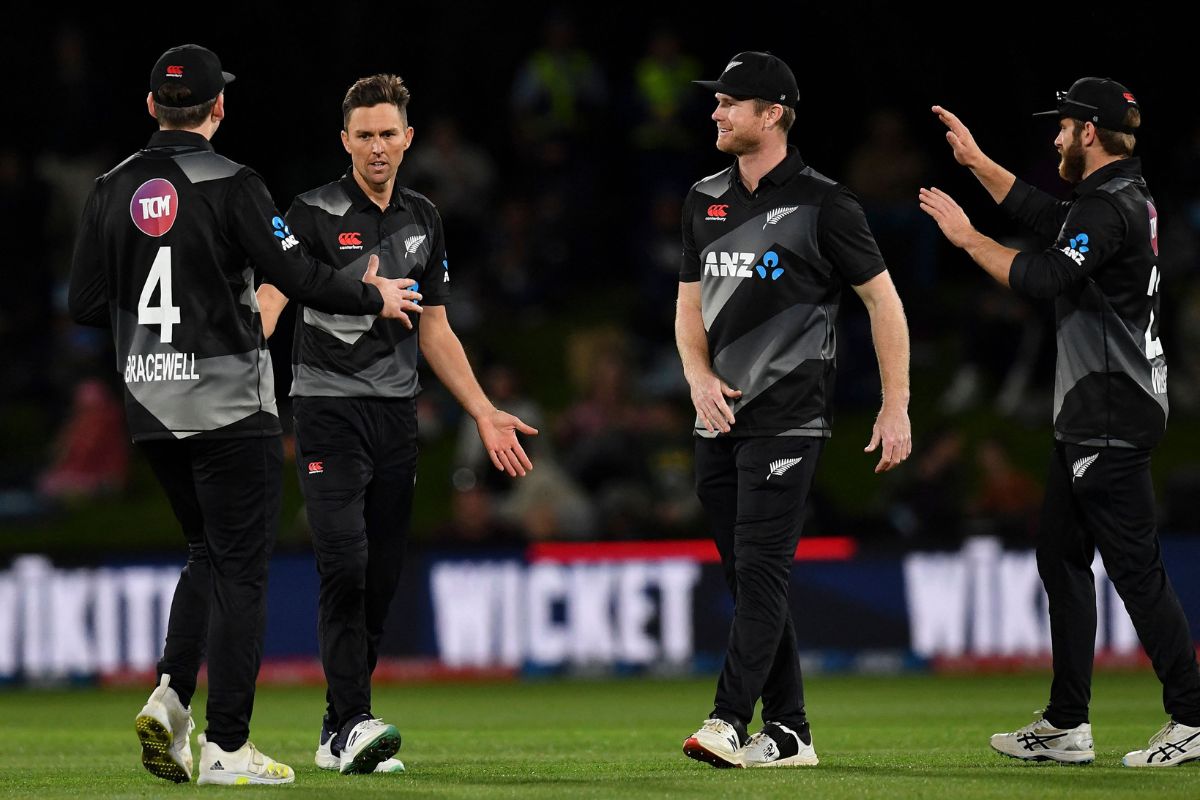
x,y
782,465
1081,466
412,243
778,214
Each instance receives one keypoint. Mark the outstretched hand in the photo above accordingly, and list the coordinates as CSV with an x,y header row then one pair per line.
x,y
498,432
948,215
398,300
966,151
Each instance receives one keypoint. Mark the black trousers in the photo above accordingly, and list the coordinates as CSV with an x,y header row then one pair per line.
x,y
1103,499
358,466
754,491
226,495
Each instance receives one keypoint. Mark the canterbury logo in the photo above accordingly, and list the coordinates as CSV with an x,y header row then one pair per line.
x,y
316,467
412,243
1081,466
718,210
778,214
783,465
174,71
345,239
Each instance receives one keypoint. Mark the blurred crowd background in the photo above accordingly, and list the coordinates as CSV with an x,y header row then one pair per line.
x,y
558,144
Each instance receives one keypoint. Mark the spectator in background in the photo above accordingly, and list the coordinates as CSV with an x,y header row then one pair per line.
x,y
928,508
92,450
1007,501
474,521
458,177
884,171
558,92
663,97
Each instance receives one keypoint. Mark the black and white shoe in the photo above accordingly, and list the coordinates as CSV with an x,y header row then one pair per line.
x,y
777,745
717,743
1174,744
1041,741
368,743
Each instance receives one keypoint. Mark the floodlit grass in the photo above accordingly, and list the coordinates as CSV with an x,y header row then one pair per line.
x,y
878,737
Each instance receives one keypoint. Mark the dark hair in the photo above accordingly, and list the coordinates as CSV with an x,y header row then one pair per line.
x,y
180,116
785,122
1116,143
373,91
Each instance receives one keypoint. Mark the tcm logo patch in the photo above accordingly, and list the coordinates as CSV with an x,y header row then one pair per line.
x,y
717,212
154,207
742,265
282,232
174,71
1076,248
316,467
350,241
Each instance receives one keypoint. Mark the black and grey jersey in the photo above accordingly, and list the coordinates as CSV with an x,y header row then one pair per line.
x,y
337,355
166,257
771,267
1110,386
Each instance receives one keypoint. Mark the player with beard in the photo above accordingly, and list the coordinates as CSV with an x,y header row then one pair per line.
x,y
1110,409
768,245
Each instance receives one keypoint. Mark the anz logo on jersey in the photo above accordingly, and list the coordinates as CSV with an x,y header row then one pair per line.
x,y
720,264
282,232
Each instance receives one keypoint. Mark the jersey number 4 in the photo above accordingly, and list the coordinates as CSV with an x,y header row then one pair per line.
x,y
165,315
1153,346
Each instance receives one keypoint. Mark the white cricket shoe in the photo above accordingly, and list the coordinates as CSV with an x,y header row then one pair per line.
x,y
1174,744
325,759
370,742
1041,741
717,743
246,765
778,746
165,727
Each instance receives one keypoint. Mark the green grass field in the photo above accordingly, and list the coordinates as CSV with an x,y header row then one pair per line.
x,y
892,737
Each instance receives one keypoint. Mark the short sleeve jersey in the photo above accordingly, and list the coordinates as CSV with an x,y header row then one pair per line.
x,y
336,355
771,267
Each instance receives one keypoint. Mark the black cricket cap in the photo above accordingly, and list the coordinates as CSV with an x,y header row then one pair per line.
x,y
756,75
193,67
1100,101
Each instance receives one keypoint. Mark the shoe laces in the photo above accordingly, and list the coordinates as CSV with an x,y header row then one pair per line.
x,y
715,725
1164,733
1031,727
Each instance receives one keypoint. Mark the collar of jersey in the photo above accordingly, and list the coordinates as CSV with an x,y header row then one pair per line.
x,y
358,198
175,138
1130,167
783,172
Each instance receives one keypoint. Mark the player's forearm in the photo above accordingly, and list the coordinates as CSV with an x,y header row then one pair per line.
x,y
692,342
271,303
996,179
889,332
995,258
444,352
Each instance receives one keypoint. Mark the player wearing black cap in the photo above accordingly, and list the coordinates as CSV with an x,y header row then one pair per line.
x,y
1110,409
768,245
168,250
354,381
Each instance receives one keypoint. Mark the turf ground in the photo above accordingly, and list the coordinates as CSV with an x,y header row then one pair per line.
x,y
893,737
